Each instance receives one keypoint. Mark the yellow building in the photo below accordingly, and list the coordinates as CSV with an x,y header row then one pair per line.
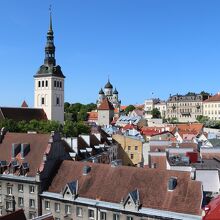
x,y
130,150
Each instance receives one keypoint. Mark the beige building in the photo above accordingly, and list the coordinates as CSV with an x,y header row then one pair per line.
x,y
105,113
185,108
211,107
130,149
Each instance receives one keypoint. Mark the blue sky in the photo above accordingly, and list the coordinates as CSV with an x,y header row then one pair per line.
x,y
160,46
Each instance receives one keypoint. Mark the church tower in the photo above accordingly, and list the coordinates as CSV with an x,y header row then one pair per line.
x,y
49,83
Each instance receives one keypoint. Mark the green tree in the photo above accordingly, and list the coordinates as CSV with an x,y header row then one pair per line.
x,y
155,113
128,109
9,124
82,128
69,129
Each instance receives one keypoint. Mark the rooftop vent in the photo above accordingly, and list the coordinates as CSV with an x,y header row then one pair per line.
x,y
172,183
86,169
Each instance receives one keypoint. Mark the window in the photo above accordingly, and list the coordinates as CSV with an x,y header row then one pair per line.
x,y
46,83
31,189
9,190
42,83
38,83
57,207
31,215
129,147
32,203
132,156
58,101
116,216
102,215
42,101
47,205
79,211
20,201
20,188
9,205
55,83
136,147
91,214
57,218
129,218
60,84
67,209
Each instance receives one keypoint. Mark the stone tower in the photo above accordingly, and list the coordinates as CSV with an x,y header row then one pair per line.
x,y
49,83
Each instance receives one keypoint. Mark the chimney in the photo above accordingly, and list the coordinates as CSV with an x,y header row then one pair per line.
x,y
172,183
86,170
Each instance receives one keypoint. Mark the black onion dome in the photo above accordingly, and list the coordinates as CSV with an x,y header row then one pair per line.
x,y
108,85
115,92
101,92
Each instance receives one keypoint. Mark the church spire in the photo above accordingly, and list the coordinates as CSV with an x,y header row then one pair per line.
x,y
50,48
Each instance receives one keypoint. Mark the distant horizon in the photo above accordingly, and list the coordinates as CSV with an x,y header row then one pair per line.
x,y
145,47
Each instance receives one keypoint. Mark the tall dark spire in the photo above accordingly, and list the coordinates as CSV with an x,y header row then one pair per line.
x,y
50,48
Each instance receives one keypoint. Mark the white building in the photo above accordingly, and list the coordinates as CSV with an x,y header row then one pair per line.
x,y
150,104
211,107
49,83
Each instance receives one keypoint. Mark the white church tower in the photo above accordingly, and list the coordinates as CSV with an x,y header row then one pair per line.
x,y
49,83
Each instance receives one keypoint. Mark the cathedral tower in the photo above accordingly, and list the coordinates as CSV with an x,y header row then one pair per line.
x,y
49,83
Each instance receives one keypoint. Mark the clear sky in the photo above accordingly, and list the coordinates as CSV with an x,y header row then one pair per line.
x,y
160,46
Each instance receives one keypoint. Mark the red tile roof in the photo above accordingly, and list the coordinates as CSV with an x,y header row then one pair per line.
x,y
17,215
24,104
106,105
213,209
215,98
92,116
111,184
38,146
20,114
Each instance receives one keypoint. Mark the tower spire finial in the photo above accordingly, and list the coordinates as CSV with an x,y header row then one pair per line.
x,y
50,10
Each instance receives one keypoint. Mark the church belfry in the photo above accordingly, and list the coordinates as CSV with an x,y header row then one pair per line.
x,y
49,82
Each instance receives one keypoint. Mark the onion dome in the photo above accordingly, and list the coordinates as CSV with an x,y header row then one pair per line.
x,y
108,85
101,92
115,92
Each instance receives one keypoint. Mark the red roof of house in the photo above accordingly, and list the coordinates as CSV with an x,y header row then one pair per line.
x,y
39,144
106,105
24,104
112,184
17,215
129,127
215,98
92,116
212,210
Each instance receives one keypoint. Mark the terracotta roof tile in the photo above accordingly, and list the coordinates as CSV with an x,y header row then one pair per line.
x,y
26,114
38,146
215,98
111,184
17,215
106,105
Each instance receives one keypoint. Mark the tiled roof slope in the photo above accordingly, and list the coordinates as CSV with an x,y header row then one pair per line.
x,y
38,146
17,215
106,105
111,184
19,114
215,98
